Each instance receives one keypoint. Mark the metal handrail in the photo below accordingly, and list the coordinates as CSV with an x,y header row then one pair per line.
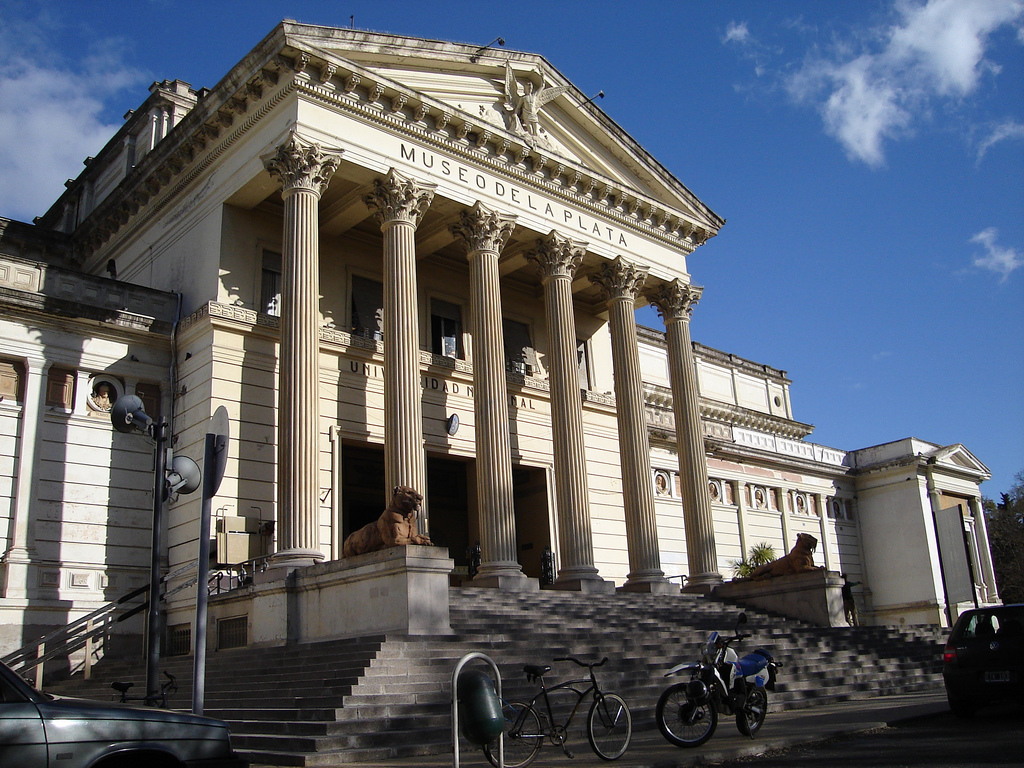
x,y
83,631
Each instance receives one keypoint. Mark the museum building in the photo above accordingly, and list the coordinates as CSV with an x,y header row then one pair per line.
x,y
404,262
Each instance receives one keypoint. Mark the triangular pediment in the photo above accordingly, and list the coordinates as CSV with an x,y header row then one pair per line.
x,y
959,458
510,93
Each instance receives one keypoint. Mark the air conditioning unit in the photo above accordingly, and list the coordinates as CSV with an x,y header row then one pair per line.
x,y
238,539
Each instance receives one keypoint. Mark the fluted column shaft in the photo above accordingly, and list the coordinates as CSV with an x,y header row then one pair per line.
x,y
485,233
621,281
305,170
399,204
675,302
558,258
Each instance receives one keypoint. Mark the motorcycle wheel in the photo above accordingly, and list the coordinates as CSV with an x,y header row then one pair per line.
x,y
750,719
682,721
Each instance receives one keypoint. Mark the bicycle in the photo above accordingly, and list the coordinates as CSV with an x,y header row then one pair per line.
x,y
609,724
168,687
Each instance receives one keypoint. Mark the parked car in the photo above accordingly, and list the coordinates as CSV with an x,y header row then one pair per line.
x,y
983,661
39,730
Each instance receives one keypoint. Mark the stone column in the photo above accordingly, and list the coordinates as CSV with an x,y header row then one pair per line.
x,y
15,582
987,576
484,232
621,282
305,170
741,514
675,302
399,204
826,535
558,257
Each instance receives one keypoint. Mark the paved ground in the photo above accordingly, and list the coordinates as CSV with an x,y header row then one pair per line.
x,y
782,730
994,737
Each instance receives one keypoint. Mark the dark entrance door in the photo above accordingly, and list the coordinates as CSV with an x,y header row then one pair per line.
x,y
533,529
447,499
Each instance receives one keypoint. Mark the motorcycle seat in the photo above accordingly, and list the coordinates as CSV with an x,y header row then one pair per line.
x,y
752,663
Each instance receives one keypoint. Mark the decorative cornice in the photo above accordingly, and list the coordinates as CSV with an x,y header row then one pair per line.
x,y
169,169
659,399
440,125
172,165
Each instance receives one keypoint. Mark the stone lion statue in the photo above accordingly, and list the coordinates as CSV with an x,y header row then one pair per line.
x,y
799,560
396,527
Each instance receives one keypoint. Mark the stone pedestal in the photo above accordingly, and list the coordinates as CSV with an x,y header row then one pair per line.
x,y
815,596
402,589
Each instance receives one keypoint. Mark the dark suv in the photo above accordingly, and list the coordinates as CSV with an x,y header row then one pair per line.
x,y
984,658
38,730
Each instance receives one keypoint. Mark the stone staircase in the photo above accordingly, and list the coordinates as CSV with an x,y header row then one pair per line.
x,y
376,698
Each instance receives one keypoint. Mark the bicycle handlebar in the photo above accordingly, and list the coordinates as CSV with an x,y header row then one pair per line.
x,y
582,663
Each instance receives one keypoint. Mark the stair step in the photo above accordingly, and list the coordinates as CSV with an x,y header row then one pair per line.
x,y
380,698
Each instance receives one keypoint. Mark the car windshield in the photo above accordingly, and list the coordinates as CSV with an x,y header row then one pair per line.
x,y
1001,622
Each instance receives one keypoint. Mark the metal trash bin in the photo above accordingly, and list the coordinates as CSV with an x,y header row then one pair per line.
x,y
479,707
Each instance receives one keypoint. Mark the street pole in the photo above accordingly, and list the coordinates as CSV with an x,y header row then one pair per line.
x,y
153,616
214,459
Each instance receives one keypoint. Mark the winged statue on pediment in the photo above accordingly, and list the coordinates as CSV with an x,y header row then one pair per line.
x,y
524,105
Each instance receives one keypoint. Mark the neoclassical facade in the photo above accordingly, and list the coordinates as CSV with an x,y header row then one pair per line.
x,y
396,261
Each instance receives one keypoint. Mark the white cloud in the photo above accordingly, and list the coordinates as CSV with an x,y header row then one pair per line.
x,y
736,32
1008,129
861,112
997,258
51,116
935,50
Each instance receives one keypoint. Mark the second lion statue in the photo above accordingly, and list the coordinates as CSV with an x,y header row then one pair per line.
x,y
396,527
799,560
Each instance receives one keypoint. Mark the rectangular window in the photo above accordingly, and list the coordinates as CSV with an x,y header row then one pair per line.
x,y
446,329
520,356
179,640
583,363
232,633
149,394
10,381
270,284
60,388
367,308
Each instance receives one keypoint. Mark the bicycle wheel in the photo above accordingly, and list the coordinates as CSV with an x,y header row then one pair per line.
x,y
523,736
682,721
609,726
750,719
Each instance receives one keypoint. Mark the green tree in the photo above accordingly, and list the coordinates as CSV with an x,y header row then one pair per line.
x,y
759,554
1005,522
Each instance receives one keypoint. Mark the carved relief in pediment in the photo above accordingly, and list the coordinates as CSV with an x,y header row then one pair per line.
x,y
522,106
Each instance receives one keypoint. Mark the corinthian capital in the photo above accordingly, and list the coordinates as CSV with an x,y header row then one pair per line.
x,y
397,198
557,256
302,165
483,229
675,300
619,279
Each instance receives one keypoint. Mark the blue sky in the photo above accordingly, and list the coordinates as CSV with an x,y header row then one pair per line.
x,y
868,156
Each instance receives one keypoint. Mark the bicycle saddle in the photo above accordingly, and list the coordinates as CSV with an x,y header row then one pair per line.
x,y
535,672
121,687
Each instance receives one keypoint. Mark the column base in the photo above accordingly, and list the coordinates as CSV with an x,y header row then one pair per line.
x,y
506,582
284,562
650,586
702,584
594,585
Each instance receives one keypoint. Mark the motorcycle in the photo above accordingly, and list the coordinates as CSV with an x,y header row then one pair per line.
x,y
720,683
